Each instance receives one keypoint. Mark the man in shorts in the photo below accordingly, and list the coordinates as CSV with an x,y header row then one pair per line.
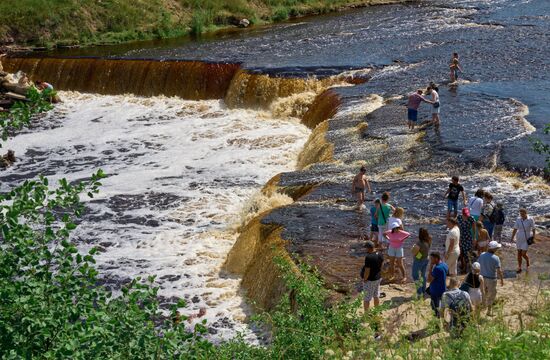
x,y
372,275
412,107
490,269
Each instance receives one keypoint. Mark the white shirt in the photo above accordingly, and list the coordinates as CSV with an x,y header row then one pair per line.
x,y
475,204
393,220
529,225
454,233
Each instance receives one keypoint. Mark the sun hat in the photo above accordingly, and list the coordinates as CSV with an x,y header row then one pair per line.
x,y
494,245
476,266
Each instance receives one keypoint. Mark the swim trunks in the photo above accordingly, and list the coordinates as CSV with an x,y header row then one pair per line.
x,y
412,115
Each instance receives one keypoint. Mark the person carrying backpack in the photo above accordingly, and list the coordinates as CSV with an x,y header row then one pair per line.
x,y
459,304
498,217
487,212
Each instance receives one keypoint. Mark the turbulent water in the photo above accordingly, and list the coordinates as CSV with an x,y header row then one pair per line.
x,y
179,175
181,172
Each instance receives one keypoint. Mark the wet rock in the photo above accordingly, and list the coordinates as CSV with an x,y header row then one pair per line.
x,y
243,23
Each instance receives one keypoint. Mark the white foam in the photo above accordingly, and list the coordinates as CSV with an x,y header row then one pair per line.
x,y
185,168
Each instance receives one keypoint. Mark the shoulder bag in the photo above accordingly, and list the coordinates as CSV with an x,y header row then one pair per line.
x,y
530,239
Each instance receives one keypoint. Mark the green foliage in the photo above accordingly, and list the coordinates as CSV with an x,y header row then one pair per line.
x,y
68,22
52,305
543,148
21,112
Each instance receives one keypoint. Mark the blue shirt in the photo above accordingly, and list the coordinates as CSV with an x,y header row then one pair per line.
x,y
373,220
489,264
438,285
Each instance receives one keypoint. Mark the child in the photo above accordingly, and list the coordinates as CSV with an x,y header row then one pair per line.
x,y
397,237
499,218
374,222
452,194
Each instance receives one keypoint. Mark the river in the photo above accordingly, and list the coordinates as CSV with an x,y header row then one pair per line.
x,y
183,172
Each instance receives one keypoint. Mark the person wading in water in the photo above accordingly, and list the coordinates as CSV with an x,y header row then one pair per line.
x,y
415,99
360,182
455,67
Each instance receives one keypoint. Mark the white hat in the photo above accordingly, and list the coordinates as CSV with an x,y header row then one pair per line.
x,y
494,245
476,266
394,225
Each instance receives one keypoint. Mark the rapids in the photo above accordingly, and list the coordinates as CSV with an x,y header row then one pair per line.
x,y
184,175
179,174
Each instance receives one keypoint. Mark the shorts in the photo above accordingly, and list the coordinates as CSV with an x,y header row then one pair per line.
x,y
435,110
452,205
374,228
412,115
359,190
399,253
490,291
371,289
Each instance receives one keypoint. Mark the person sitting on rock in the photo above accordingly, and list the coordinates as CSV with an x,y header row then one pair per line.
x,y
8,159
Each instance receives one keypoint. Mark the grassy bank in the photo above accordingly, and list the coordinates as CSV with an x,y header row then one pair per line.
x,y
70,22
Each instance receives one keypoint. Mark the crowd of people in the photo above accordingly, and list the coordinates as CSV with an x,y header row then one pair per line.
x,y
474,236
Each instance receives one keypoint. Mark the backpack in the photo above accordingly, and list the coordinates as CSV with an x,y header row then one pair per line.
x,y
497,216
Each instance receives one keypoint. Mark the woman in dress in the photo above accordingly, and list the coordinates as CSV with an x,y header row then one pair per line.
x,y
466,224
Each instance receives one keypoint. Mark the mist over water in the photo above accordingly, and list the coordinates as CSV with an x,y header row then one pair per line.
x,y
179,174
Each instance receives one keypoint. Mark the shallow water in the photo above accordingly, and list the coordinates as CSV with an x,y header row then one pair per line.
x,y
503,46
179,174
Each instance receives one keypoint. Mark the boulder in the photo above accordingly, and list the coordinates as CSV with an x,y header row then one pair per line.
x,y
243,23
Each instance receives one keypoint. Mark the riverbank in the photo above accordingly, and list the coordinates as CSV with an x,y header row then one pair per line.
x,y
82,23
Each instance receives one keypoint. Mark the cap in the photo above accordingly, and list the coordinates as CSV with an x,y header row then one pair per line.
x,y
476,266
394,225
494,245
466,212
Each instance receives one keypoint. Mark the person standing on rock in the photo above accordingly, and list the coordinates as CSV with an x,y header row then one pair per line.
x,y
500,218
420,253
524,234
481,237
415,99
372,276
487,212
454,66
374,222
452,246
437,276
436,106
475,204
382,215
466,224
490,269
360,183
452,194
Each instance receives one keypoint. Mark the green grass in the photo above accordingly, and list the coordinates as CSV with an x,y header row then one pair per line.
x,y
68,22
